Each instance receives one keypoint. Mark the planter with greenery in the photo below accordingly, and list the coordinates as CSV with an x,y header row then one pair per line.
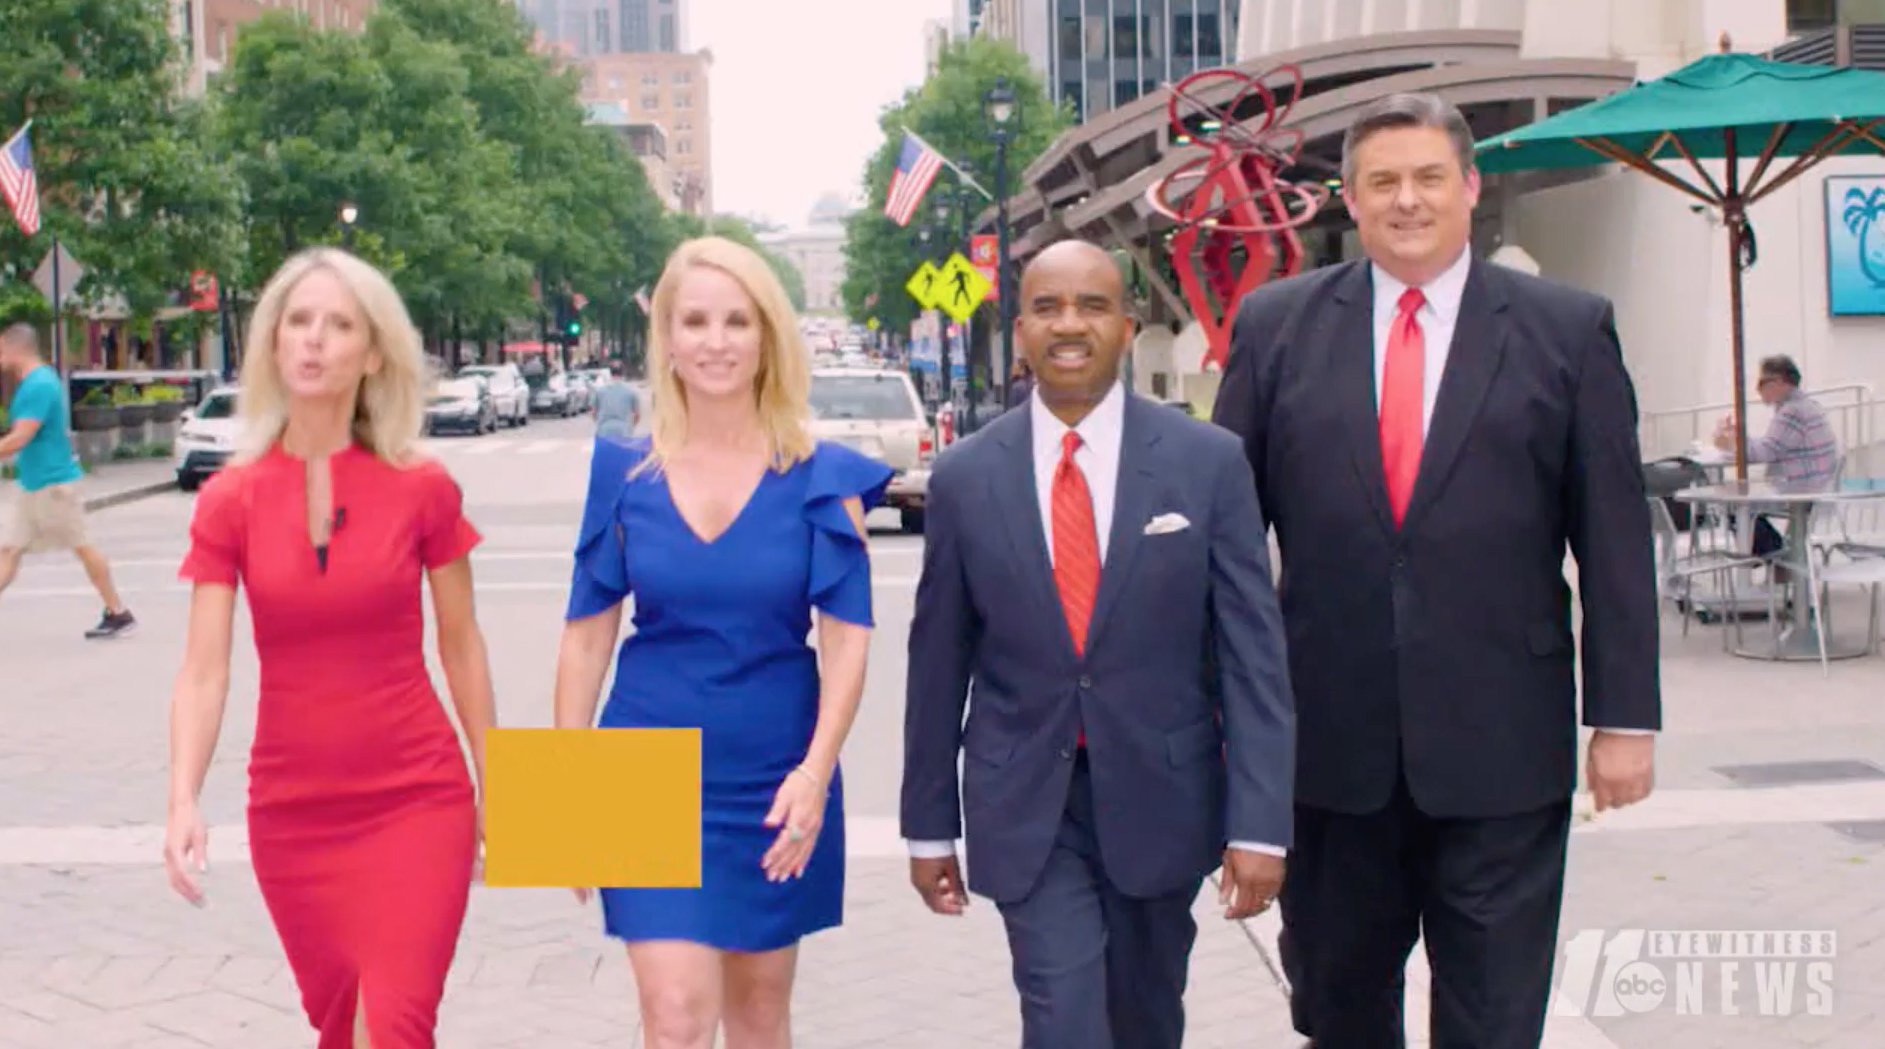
x,y
95,425
166,402
134,409
95,412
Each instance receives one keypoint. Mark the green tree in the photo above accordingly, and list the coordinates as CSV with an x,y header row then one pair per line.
x,y
592,222
299,111
467,153
947,112
126,180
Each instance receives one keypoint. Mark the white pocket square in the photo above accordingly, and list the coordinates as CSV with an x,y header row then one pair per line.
x,y
1164,523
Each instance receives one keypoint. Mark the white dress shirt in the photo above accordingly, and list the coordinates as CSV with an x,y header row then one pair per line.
x,y
1438,317
1101,432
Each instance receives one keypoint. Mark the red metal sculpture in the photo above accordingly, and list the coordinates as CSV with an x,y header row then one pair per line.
x,y
1233,196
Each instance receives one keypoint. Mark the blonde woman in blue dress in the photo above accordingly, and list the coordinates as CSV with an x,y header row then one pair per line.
x,y
734,530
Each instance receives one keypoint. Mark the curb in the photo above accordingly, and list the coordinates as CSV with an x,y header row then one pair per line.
x,y
128,495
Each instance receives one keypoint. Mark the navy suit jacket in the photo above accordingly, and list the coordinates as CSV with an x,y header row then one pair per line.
x,y
1182,690
1439,652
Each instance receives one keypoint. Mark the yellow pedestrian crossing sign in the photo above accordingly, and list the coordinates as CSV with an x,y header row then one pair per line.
x,y
925,284
960,288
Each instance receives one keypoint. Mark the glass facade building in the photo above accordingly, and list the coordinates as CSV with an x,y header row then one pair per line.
x,y
610,27
1106,53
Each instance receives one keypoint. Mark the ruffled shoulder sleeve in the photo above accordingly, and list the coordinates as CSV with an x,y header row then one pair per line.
x,y
445,533
219,526
840,579
599,580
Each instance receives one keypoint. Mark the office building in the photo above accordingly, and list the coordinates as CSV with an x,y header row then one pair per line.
x,y
670,91
608,27
1098,55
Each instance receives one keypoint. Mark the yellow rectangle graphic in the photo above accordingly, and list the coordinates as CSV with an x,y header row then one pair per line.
x,y
596,808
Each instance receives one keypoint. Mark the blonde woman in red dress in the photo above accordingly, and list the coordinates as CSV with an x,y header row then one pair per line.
x,y
363,819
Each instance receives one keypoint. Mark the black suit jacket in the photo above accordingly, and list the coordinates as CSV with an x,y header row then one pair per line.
x,y
1444,647
1182,687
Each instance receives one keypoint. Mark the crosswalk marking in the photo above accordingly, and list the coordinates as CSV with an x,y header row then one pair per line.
x,y
483,446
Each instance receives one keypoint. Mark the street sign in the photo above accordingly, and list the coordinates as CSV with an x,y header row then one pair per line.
x,y
962,289
925,284
982,254
70,273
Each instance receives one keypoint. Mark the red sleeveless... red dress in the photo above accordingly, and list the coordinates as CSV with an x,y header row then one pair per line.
x,y
362,815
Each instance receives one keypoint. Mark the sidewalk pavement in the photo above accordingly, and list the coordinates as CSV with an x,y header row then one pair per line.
x,y
116,482
105,957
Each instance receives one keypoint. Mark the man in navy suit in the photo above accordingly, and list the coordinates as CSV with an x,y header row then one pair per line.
x,y
1095,574
1430,433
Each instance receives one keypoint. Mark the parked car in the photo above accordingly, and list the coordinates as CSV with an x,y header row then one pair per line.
x,y
877,412
550,395
461,405
206,438
508,389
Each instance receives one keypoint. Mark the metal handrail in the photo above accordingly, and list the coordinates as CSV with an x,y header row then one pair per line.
x,y
1849,407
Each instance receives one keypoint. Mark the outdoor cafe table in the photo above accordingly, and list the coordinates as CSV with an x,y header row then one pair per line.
x,y
1798,638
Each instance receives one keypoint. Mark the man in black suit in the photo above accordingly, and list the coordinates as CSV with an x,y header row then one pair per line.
x,y
1089,566
1428,433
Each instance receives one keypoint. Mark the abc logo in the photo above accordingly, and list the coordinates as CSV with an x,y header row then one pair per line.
x,y
1640,987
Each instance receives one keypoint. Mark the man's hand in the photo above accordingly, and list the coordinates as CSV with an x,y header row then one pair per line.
x,y
1250,883
1621,769
939,882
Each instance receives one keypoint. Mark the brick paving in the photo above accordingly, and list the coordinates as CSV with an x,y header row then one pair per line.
x,y
106,957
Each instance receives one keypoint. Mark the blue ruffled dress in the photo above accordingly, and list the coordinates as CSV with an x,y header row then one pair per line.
x,y
721,644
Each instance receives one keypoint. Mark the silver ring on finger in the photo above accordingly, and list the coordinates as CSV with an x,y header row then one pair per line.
x,y
794,834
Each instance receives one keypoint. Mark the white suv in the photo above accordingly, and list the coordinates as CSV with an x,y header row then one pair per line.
x,y
206,438
877,412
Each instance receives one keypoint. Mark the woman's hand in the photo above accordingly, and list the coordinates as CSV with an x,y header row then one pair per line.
x,y
798,810
186,851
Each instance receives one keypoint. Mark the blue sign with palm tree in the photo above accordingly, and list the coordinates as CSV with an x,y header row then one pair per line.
x,y
1855,244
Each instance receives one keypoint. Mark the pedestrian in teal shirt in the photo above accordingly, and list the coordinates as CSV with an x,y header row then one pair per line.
x,y
49,511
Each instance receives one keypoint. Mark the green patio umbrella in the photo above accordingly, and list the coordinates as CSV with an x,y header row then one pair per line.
x,y
1728,106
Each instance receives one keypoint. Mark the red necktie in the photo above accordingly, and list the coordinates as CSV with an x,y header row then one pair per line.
x,y
1076,545
1403,399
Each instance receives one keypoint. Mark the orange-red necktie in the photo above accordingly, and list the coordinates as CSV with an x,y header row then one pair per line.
x,y
1403,402
1076,545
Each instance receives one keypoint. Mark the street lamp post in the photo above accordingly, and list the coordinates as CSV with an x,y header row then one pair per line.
x,y
999,108
349,214
945,368
924,235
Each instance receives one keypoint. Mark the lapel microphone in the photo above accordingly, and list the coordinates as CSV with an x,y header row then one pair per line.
x,y
335,523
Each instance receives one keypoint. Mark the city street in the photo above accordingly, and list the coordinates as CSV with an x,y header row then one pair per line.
x,y
96,953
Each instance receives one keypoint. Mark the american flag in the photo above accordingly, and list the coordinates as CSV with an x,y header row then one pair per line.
x,y
18,182
917,167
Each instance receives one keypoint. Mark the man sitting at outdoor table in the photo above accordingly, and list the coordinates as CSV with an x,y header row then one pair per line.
x,y
1799,447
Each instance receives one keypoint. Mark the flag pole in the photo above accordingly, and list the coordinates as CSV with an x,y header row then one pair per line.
x,y
58,318
952,165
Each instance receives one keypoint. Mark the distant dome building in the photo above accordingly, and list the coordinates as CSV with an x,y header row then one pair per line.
x,y
830,208
818,252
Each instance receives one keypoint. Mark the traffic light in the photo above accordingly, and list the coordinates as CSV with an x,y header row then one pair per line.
x,y
574,327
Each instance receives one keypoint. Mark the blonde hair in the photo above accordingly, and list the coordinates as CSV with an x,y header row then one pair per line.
x,y
782,389
389,412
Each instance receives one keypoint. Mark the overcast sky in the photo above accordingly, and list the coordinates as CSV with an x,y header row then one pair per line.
x,y
797,86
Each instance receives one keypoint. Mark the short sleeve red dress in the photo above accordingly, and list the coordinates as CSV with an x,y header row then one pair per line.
x,y
362,815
